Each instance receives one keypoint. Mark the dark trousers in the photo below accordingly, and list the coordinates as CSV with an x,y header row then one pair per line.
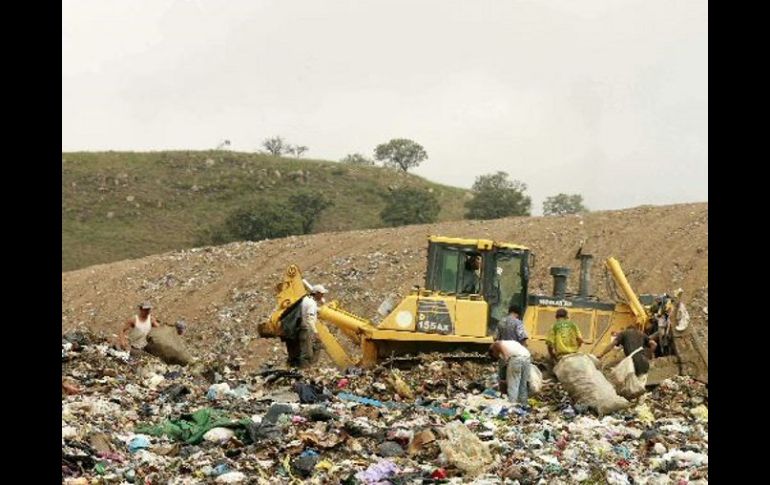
x,y
293,350
306,346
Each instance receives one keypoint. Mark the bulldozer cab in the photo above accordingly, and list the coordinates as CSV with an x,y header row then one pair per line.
x,y
494,272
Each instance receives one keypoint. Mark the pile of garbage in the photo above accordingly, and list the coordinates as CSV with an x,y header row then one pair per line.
x,y
133,419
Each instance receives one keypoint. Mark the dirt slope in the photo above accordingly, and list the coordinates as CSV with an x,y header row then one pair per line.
x,y
222,292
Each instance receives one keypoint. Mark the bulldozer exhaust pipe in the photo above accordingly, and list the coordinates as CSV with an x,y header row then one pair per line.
x,y
586,260
559,281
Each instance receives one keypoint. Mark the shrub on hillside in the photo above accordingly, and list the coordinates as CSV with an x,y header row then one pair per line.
x,y
562,204
309,205
410,206
494,196
357,159
266,220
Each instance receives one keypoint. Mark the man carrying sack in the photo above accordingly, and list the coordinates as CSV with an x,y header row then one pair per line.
x,y
145,333
630,376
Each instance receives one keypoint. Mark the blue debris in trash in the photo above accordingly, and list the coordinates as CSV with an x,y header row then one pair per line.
x,y
240,391
308,452
520,411
346,396
220,469
491,393
138,443
440,410
622,451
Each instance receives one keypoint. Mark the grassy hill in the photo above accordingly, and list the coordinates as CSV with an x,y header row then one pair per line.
x,y
121,205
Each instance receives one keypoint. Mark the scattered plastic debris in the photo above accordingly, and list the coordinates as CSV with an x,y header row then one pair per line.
x,y
212,422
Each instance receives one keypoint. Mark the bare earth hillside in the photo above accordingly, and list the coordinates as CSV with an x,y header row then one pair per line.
x,y
223,292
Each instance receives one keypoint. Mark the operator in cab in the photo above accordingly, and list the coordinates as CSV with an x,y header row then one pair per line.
x,y
472,274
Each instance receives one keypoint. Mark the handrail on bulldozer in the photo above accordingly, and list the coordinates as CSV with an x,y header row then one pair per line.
x,y
625,287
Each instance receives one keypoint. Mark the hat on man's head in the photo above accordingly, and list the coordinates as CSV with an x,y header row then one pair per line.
x,y
319,289
145,306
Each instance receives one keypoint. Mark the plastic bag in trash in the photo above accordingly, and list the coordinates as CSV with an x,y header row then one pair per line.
x,y
138,443
687,458
625,380
220,469
305,464
378,472
700,413
464,449
241,392
644,414
535,382
219,435
231,477
217,391
121,355
263,432
309,393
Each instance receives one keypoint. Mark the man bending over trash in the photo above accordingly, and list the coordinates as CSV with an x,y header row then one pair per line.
x,y
517,360
510,328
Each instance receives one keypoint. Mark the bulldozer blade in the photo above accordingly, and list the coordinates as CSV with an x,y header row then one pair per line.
x,y
662,368
691,359
408,361
333,347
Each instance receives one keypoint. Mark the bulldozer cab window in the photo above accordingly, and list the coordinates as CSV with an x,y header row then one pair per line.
x,y
454,270
444,271
508,286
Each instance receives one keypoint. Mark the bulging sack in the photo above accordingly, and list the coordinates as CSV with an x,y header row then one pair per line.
x,y
586,384
164,342
625,380
535,380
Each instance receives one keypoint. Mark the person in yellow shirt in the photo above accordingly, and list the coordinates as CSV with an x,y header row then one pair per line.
x,y
564,337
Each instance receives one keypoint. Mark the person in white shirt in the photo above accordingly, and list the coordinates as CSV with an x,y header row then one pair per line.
x,y
307,327
517,360
135,331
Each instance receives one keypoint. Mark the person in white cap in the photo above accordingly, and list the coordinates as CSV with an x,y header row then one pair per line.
x,y
135,331
307,327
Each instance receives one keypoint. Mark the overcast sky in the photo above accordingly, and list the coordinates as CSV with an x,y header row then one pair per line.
x,y
608,99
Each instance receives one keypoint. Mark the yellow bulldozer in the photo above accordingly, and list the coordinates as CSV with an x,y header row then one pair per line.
x,y
469,285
